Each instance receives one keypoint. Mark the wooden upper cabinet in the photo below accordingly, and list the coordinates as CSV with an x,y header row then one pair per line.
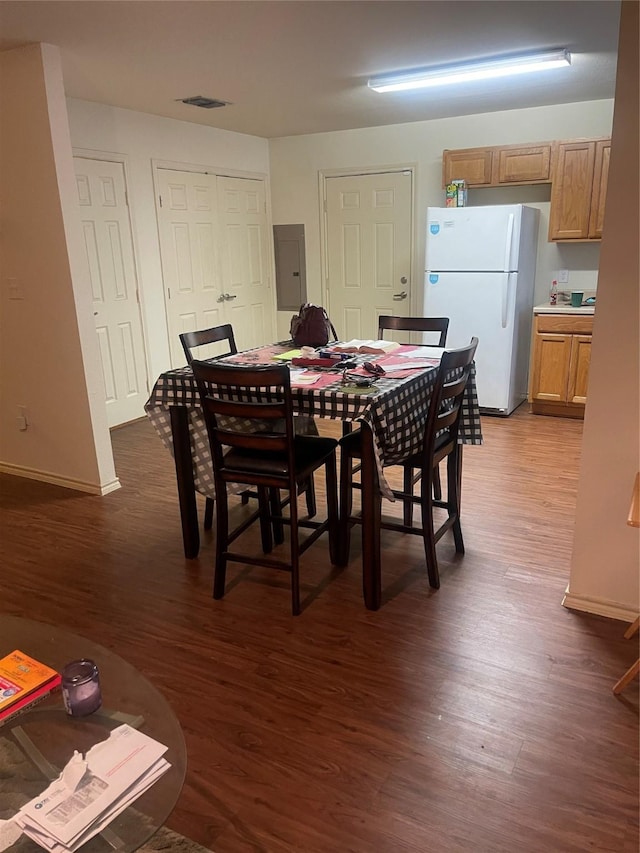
x,y
579,190
571,191
576,169
473,165
522,165
599,194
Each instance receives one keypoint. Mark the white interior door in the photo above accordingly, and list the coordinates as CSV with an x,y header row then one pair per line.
x,y
215,257
107,237
188,248
369,231
245,260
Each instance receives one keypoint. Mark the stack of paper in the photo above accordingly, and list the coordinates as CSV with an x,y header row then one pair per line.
x,y
91,791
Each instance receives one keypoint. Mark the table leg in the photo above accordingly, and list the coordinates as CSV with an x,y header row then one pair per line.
x,y
371,509
184,478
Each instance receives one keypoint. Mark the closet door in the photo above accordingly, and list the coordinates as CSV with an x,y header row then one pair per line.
x,y
215,257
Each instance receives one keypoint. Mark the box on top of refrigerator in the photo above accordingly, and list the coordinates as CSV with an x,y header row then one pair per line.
x,y
456,194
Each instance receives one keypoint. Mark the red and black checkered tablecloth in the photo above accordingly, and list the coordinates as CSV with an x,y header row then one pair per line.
x,y
394,409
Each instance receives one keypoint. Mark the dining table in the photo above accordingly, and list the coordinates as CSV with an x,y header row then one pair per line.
x,y
390,410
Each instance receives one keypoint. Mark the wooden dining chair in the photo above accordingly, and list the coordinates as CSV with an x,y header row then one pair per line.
x,y
438,326
440,441
204,337
220,334
264,452
194,340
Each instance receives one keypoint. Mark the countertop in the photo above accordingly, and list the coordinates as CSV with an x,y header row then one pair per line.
x,y
563,308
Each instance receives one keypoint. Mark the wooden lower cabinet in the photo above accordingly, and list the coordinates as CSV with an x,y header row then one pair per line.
x,y
561,351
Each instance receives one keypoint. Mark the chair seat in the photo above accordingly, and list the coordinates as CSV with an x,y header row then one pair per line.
x,y
351,444
309,453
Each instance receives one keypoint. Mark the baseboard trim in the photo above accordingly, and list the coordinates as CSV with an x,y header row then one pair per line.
x,y
56,480
599,607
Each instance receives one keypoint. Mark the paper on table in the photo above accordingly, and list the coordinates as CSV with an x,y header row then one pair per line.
x,y
9,833
287,356
104,820
301,378
411,365
91,791
421,352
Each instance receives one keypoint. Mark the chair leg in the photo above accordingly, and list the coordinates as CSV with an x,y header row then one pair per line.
x,y
627,678
310,492
295,556
346,503
222,542
426,509
437,485
276,514
244,497
208,513
407,488
265,520
331,479
453,498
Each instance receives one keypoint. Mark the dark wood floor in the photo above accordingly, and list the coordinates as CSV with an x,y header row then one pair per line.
x,y
477,718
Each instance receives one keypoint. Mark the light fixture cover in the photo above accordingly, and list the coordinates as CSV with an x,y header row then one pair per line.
x,y
500,66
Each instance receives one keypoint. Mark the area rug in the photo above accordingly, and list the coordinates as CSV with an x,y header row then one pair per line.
x,y
166,840
14,763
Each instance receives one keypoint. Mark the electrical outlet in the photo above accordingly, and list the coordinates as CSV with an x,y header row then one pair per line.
x,y
563,276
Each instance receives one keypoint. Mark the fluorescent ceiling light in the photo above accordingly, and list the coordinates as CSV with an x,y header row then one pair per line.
x,y
505,66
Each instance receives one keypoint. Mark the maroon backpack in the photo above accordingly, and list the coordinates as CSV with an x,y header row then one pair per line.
x,y
311,327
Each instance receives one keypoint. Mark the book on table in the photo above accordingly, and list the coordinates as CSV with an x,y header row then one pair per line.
x,y
23,681
368,347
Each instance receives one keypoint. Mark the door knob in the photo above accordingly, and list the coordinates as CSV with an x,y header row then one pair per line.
x,y
220,298
398,297
229,296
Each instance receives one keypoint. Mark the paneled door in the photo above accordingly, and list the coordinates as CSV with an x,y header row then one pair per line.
x,y
369,226
215,256
188,247
108,242
245,260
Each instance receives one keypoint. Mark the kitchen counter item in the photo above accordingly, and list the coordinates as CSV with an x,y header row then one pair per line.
x,y
564,308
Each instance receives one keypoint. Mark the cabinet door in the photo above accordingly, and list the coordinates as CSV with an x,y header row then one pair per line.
x,y
472,165
599,194
571,191
523,165
551,362
579,369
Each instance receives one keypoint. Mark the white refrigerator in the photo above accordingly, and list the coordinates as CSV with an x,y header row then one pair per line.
x,y
480,272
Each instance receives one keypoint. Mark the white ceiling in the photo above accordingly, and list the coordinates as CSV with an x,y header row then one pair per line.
x,y
291,67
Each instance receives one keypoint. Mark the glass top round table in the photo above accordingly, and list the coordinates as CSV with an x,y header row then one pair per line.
x,y
36,744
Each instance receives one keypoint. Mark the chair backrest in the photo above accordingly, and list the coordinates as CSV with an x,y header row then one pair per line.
x,y
415,324
248,409
190,340
445,408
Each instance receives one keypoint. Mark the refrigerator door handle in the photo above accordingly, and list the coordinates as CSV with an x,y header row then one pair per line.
x,y
505,298
507,248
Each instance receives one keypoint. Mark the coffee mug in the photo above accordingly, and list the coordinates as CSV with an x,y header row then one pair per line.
x,y
576,298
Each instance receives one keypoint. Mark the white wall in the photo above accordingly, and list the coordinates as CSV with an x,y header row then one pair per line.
x,y
144,138
49,358
605,576
297,160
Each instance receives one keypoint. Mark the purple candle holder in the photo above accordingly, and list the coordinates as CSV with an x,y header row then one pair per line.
x,y
81,688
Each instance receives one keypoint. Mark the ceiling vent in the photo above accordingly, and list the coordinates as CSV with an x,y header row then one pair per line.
x,y
205,103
